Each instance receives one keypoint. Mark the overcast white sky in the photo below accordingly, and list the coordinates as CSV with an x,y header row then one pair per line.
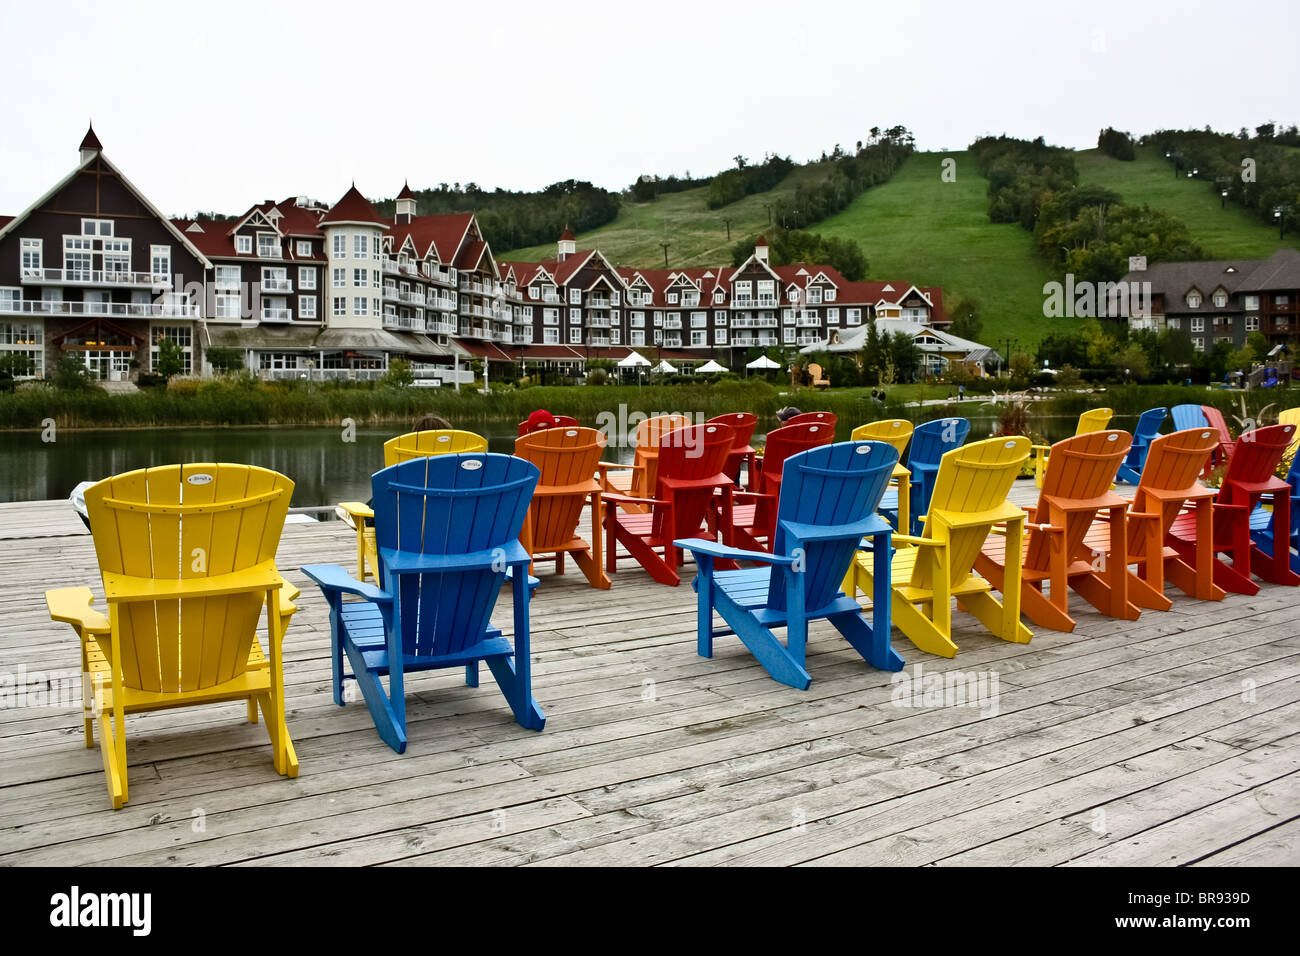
x,y
220,105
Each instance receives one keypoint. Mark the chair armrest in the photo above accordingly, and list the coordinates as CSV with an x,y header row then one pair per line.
x,y
511,554
912,539
331,577
628,499
1040,448
715,550
126,588
73,606
753,494
354,510
607,466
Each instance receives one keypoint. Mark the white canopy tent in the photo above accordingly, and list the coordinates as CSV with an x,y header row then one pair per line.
x,y
665,368
763,362
634,359
711,366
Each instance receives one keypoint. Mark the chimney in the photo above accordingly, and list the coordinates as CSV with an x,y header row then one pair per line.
x,y
90,146
1137,263
761,250
567,245
405,206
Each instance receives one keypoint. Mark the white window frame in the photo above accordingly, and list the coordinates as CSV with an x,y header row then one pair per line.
x,y
340,305
1252,323
306,277
31,260
272,245
575,297
360,245
97,227
575,335
304,247
360,305
307,307
575,316
1198,323
244,245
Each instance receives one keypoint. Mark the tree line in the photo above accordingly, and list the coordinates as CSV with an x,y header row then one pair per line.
x,y
874,162
513,219
745,180
790,246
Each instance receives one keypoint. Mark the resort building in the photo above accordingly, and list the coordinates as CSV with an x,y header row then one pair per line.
x,y
1223,300
300,289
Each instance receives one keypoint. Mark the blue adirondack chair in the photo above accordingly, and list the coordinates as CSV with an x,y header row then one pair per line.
x,y
1263,530
1146,431
1188,416
829,496
930,442
447,534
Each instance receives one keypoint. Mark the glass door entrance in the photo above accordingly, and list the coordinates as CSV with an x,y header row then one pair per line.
x,y
109,365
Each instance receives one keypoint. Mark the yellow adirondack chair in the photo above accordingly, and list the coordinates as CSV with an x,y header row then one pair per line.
x,y
928,572
1093,420
426,444
1290,416
187,557
896,432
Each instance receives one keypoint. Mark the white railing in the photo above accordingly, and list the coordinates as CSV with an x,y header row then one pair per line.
x,y
404,323
767,301
321,374
808,319
599,340
413,298
440,328
552,299
133,310
754,323
598,322
807,339
672,341
277,285
754,340
672,323
390,292
269,252
276,315
742,302
94,277
438,274
598,302
446,302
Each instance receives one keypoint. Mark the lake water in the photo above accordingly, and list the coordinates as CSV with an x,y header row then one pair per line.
x,y
325,469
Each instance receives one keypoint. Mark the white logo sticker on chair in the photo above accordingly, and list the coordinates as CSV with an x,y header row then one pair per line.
x,y
811,429
199,479
1112,438
444,438
863,449
471,465
1205,434
1010,444
571,432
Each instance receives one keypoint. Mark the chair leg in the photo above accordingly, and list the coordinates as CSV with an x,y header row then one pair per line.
x,y
252,710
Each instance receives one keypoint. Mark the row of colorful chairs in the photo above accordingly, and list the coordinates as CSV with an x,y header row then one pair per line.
x,y
187,553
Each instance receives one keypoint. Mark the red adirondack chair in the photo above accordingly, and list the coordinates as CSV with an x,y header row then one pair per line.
x,y
1223,453
1076,487
742,423
689,477
1250,476
561,421
813,418
1168,484
753,516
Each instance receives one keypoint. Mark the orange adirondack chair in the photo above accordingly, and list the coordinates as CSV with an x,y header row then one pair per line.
x,y
1167,485
561,421
813,418
566,458
753,524
815,377
1222,454
689,475
743,424
1249,477
637,480
1076,487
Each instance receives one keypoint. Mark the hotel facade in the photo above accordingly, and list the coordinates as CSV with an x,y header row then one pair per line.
x,y
299,289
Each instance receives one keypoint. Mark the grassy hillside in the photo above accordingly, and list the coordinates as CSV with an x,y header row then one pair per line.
x,y
697,235
1228,233
919,228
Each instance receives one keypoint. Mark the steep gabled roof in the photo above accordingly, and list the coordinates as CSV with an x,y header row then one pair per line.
x,y
353,207
406,192
91,141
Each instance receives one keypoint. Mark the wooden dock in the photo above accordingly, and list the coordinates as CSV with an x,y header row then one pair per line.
x,y
1174,739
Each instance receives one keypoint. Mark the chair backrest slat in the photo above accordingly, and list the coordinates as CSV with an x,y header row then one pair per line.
x,y
1094,420
742,425
1079,469
1188,416
1173,466
565,458
787,441
561,421
813,418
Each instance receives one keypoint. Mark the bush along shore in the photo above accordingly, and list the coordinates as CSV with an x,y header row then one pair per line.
x,y
245,401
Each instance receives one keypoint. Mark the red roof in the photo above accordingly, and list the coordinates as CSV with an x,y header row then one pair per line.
x,y
406,192
5,220
353,207
760,241
485,350
471,255
443,232
91,141
566,235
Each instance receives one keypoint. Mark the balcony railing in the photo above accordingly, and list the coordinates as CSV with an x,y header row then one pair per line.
x,y
269,252
551,299
598,322
321,374
675,323
403,323
276,315
440,328
754,323
146,280
742,302
808,319
130,310
598,340
277,285
445,302
598,302
438,274
750,339
411,298
809,339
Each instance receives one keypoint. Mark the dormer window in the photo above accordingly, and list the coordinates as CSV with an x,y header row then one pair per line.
x,y
1193,299
1220,299
243,245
